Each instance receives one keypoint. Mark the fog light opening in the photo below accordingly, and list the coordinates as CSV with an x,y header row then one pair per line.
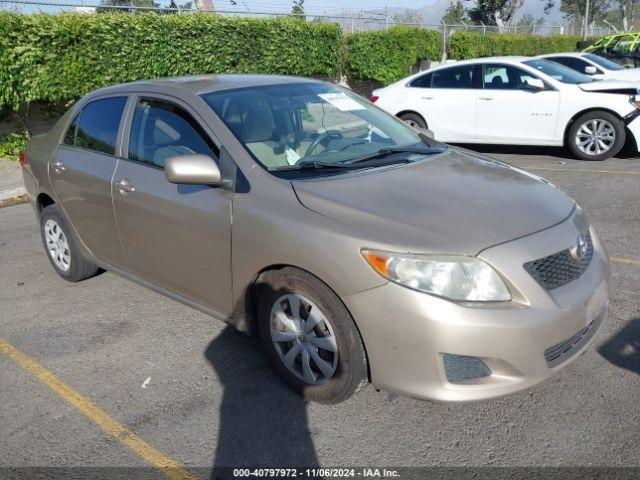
x,y
460,369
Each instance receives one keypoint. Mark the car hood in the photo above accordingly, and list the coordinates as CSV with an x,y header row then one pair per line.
x,y
455,202
629,75
613,86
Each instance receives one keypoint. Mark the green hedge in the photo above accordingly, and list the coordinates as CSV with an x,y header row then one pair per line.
x,y
465,45
51,58
56,58
388,56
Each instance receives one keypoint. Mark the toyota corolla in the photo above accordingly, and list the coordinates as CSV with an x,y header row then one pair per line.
x,y
359,249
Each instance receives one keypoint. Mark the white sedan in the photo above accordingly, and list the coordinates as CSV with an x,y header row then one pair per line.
x,y
517,101
594,66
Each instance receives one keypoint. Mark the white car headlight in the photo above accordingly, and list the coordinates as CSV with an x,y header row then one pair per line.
x,y
454,277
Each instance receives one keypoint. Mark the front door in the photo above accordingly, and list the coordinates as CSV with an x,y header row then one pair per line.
x,y
509,110
81,171
446,99
176,237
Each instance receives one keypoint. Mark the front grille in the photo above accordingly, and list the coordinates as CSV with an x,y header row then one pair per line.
x,y
560,268
460,368
558,353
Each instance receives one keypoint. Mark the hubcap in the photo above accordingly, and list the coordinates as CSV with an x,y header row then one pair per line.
x,y
57,245
304,339
412,123
595,137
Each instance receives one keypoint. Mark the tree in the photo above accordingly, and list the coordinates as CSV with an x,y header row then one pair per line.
x,y
495,12
575,9
455,13
528,23
408,17
627,11
298,9
126,3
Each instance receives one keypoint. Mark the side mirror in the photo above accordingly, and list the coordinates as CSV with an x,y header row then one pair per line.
x,y
534,84
590,70
192,169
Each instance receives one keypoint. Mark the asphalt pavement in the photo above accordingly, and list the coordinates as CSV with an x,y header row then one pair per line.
x,y
202,394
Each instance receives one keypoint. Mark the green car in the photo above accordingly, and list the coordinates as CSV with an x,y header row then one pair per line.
x,y
622,48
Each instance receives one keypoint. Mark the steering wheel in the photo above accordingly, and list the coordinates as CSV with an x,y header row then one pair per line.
x,y
328,135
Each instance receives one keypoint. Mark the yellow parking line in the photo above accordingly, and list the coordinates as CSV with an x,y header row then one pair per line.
x,y
579,170
627,261
157,459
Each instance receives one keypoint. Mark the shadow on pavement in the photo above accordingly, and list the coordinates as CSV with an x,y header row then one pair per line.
x,y
262,422
623,349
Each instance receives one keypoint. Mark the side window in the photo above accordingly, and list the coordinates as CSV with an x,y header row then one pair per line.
x,y
96,126
454,77
423,81
573,63
161,130
504,77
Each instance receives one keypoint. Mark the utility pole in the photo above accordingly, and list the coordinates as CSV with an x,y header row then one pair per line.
x,y
586,21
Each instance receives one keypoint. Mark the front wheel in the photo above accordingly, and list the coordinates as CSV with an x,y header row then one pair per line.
x,y
310,337
596,136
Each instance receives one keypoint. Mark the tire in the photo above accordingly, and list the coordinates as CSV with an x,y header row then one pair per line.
x,y
345,371
414,120
61,247
612,133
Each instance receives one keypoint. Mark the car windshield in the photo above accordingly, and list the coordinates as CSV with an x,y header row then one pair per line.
x,y
301,125
603,62
559,72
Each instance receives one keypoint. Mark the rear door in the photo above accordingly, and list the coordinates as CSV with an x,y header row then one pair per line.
x,y
176,237
446,98
81,171
509,110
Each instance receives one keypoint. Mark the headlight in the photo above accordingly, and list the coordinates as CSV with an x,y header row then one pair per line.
x,y
635,100
450,276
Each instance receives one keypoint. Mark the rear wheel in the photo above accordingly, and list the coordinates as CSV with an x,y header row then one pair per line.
x,y
596,136
414,120
310,337
61,247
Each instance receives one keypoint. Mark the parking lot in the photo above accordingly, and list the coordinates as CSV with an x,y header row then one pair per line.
x,y
199,394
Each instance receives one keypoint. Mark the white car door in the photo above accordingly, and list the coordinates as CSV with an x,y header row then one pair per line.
x,y
446,99
509,111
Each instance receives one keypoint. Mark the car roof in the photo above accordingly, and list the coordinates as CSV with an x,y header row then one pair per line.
x,y
503,59
198,84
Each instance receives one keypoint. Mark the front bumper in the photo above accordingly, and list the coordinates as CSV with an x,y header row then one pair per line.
x,y
407,333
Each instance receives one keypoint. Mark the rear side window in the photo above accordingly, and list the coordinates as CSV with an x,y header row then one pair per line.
x,y
96,126
161,130
422,82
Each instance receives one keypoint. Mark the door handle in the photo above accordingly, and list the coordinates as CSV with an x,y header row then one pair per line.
x,y
58,167
427,98
125,186
485,98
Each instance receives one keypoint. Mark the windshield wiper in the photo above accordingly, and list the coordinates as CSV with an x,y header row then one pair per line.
x,y
383,152
316,165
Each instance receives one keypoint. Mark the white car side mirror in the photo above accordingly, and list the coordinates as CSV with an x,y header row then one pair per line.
x,y
534,83
590,70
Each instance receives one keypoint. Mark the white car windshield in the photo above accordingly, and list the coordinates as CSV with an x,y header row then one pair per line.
x,y
603,62
288,125
558,72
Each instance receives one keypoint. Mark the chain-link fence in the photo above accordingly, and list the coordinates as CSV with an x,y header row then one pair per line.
x,y
349,21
